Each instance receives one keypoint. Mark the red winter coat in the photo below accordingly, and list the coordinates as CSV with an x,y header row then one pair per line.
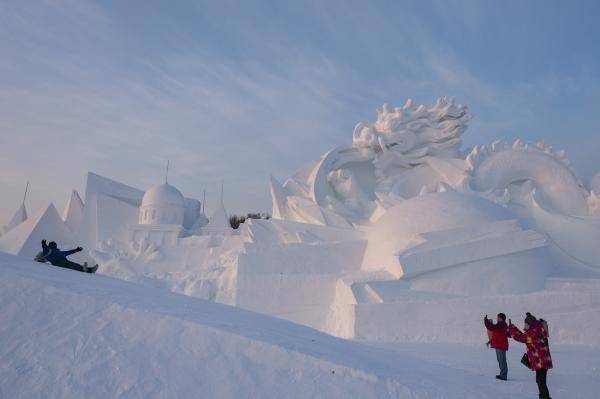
x,y
499,334
536,339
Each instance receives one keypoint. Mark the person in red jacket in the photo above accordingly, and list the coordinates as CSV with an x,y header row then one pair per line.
x,y
538,350
499,332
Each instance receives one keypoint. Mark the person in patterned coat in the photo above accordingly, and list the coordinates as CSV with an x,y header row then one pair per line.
x,y
535,337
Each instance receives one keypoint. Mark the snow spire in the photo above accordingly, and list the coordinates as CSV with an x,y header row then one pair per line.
x,y
19,216
73,212
222,184
167,173
25,195
218,223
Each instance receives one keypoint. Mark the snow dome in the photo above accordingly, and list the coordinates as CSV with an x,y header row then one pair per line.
x,y
402,224
457,243
162,204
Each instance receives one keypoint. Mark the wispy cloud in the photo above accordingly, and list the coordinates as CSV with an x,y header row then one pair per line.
x,y
241,91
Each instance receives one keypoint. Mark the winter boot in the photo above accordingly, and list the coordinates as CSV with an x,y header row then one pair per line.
x,y
92,269
499,377
87,269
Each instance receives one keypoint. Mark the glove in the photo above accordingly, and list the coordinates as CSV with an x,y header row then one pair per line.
x,y
43,242
509,322
79,249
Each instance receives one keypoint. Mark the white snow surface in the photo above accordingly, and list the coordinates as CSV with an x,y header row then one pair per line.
x,y
69,334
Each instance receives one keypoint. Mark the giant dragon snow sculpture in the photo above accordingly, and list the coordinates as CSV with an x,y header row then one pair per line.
x,y
414,150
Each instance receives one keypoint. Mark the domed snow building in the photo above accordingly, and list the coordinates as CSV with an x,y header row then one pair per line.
x,y
162,204
161,216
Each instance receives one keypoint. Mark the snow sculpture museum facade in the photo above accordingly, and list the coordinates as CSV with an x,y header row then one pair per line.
x,y
398,224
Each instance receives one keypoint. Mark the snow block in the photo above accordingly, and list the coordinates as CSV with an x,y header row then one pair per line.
x,y
418,261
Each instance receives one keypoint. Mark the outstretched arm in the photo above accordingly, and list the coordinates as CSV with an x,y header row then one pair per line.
x,y
490,325
518,335
44,246
71,252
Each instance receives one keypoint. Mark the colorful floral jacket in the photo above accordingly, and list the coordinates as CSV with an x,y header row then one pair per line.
x,y
536,339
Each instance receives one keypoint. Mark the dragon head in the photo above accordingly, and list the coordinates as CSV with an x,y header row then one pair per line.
x,y
414,131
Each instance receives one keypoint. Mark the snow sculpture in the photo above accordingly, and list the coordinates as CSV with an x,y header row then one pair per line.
x,y
444,230
401,138
410,151
398,224
218,223
24,239
73,212
162,204
18,217
595,184
405,149
548,171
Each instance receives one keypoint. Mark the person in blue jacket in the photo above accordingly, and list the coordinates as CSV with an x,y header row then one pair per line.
x,y
51,253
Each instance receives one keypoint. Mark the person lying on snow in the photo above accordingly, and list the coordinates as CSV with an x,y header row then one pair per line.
x,y
51,253
499,342
538,350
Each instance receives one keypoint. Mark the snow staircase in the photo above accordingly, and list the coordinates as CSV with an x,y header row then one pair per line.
x,y
391,291
583,286
442,249
573,284
437,250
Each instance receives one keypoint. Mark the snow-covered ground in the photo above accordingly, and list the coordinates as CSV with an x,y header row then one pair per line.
x,y
576,372
69,334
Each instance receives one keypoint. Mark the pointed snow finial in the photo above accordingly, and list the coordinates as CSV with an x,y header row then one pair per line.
x,y
25,195
203,200
167,173
222,184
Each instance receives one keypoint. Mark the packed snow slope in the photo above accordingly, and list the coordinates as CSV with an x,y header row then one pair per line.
x,y
70,334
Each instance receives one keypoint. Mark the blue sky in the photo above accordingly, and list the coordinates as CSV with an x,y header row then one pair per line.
x,y
241,90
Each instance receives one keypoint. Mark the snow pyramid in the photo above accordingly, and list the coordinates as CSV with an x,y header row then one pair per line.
x,y
73,212
24,240
19,217
218,223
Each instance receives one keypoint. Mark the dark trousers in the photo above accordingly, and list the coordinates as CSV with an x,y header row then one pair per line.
x,y
501,356
540,378
68,264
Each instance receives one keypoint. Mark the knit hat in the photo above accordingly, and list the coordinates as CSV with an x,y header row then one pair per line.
x,y
502,316
529,318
